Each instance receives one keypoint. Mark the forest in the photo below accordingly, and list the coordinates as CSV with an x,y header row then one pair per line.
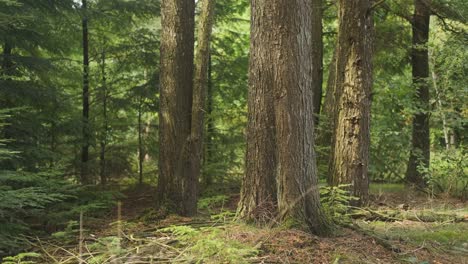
x,y
233,131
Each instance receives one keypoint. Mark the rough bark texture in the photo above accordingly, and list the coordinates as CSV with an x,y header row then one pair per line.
x,y
298,195
258,193
199,102
84,174
280,130
177,45
351,139
420,149
317,57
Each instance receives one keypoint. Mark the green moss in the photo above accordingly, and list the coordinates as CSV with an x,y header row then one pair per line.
x,y
376,188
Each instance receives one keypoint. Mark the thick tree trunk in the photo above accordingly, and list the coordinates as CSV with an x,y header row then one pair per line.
x,y
298,194
258,194
84,176
351,139
317,57
198,106
281,120
177,48
420,147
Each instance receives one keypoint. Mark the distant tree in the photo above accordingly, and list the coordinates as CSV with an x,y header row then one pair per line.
x,y
349,158
86,133
317,53
420,147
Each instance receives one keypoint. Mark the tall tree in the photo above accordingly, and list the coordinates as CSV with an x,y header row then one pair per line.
x,y
317,59
202,57
349,159
281,142
176,84
258,193
85,115
420,149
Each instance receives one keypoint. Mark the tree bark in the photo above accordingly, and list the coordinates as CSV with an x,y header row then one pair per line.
x,y
258,193
141,153
105,125
84,175
317,57
281,120
207,158
177,49
349,158
199,104
420,146
298,194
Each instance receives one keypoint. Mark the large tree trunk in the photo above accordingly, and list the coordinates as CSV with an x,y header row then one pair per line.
x,y
258,194
281,120
420,147
317,57
84,176
351,139
199,102
298,194
177,48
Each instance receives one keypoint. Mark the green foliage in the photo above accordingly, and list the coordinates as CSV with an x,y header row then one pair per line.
x,y
105,248
22,258
336,201
210,203
210,245
448,173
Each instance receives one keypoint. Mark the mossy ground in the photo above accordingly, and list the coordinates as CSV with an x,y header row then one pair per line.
x,y
155,236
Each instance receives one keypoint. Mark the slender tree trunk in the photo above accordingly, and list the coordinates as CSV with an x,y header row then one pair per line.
x,y
195,141
349,158
177,48
105,125
420,147
141,152
326,125
258,194
207,158
85,179
317,57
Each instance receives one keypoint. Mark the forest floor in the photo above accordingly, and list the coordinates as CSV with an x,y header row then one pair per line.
x,y
380,236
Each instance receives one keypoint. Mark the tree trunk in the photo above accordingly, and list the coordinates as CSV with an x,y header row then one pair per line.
x,y
195,141
207,158
105,126
85,179
317,57
281,121
349,158
298,194
177,44
258,193
420,147
141,153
